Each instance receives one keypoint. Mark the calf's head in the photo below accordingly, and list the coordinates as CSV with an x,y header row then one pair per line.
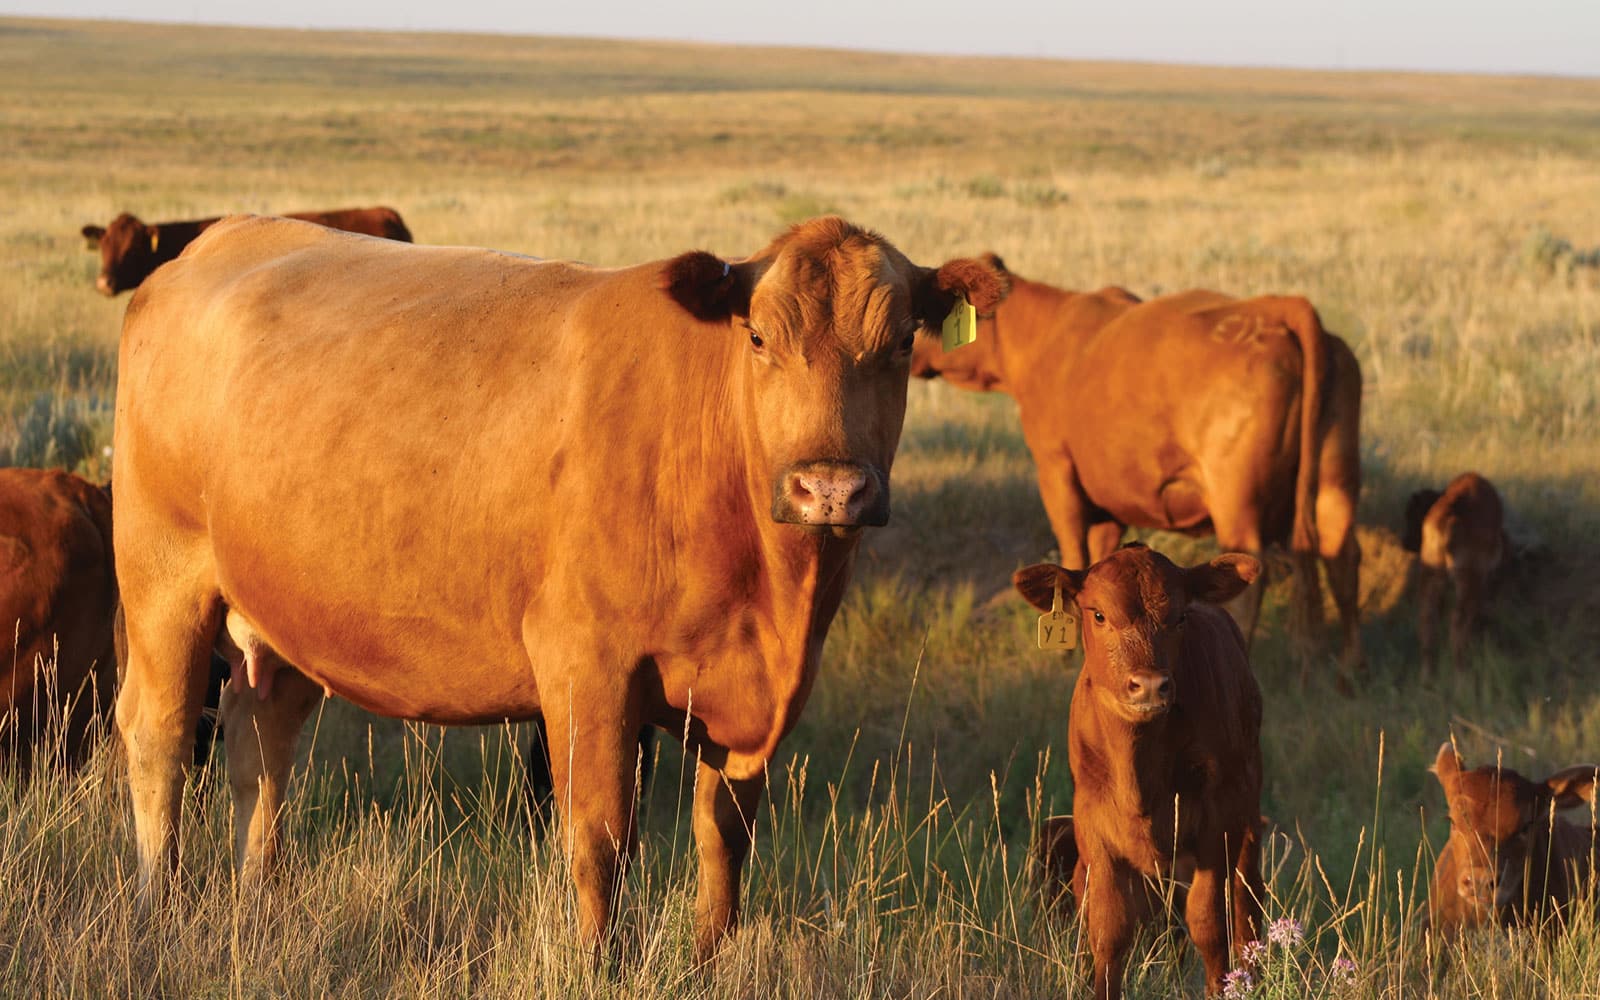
x,y
127,253
1417,508
1499,821
1134,607
823,321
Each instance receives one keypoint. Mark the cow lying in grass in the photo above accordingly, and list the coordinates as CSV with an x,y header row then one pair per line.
x,y
1510,859
1457,534
1164,744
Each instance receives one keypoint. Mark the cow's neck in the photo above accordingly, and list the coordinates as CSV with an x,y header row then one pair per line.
x,y
172,237
1036,338
1138,760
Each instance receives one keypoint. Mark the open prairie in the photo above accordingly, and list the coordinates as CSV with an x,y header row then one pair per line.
x,y
1446,226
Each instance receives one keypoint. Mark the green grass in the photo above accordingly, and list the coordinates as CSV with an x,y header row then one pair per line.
x,y
892,856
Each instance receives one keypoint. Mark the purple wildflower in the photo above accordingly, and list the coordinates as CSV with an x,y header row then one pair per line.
x,y
1344,970
1237,984
1253,952
1286,932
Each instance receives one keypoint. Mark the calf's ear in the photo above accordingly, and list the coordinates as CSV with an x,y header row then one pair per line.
x,y
1037,584
1446,766
1416,512
1221,579
984,282
91,236
707,287
1572,786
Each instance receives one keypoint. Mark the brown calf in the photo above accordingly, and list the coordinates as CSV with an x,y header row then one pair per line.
x,y
1459,534
58,597
1510,858
1164,743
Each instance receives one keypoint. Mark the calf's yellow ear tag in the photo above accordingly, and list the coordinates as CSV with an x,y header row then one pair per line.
x,y
1057,629
961,326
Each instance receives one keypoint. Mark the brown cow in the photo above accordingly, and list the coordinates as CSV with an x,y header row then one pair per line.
x,y
463,486
58,598
130,249
1458,534
1510,859
1183,413
1164,744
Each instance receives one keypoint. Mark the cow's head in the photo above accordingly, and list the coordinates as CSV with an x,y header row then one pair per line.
x,y
127,253
970,366
823,321
1417,509
1133,605
1497,819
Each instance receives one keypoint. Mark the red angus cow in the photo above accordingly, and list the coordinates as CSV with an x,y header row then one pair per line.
x,y
1457,534
130,249
58,599
1510,859
1194,412
1164,743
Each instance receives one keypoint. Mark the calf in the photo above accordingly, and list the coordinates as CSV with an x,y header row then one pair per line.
x,y
1459,534
1510,859
1164,744
58,597
130,249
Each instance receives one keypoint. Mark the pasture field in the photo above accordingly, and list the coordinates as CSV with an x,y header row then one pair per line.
x,y
1439,223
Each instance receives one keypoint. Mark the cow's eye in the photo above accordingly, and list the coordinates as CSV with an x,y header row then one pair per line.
x,y
1099,619
755,340
909,341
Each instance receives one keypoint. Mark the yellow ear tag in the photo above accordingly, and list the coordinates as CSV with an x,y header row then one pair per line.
x,y
155,239
961,326
1057,629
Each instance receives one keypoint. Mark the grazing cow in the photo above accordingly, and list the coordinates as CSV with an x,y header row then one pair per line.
x,y
1183,413
1458,534
1164,744
462,486
58,599
130,249
1510,859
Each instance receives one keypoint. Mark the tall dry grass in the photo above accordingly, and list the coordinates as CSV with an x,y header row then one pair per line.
x,y
1423,214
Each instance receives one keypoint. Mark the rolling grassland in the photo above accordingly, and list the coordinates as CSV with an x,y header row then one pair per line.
x,y
1443,225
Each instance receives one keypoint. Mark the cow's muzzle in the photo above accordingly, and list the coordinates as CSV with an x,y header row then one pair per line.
x,y
104,285
831,494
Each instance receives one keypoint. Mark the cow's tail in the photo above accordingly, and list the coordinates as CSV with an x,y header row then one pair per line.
x,y
1303,321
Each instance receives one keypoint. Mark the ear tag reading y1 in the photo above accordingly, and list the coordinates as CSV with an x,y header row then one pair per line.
x,y
961,326
1057,629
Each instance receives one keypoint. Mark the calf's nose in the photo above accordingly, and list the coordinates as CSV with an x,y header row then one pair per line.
x,y
1150,690
102,284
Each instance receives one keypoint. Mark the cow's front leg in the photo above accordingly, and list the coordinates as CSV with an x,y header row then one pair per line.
x,y
1206,914
724,823
1110,920
592,764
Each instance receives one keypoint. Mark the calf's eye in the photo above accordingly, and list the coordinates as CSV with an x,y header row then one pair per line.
x,y
908,342
1099,619
755,339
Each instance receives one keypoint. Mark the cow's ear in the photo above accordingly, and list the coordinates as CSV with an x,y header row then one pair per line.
x,y
984,282
1221,579
91,236
1573,786
1037,584
1417,509
1447,766
708,287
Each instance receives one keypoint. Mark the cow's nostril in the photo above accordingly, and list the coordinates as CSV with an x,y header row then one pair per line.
x,y
1164,689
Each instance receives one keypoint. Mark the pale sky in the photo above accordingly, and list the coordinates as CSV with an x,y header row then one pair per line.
x,y
1559,37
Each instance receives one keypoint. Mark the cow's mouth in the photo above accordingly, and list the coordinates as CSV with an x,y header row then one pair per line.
x,y
1144,711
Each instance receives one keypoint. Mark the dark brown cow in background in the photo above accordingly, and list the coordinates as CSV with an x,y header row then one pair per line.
x,y
58,600
1458,534
1510,859
1184,413
130,249
1164,744
613,497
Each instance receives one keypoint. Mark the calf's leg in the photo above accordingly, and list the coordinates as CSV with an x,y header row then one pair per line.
x,y
1109,922
1430,595
1206,914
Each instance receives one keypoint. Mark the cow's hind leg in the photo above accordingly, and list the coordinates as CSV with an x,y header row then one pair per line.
x,y
261,723
1249,892
170,630
724,824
